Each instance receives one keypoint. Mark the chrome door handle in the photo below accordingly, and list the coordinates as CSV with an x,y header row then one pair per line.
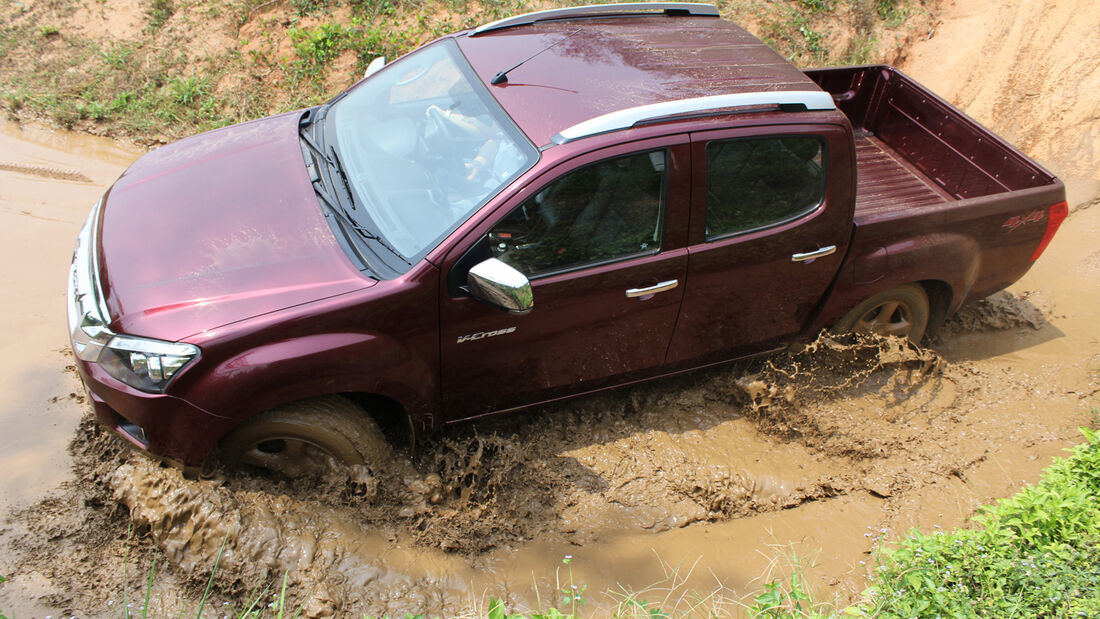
x,y
654,289
820,253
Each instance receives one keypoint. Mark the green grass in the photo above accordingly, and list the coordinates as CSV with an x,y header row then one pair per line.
x,y
155,84
1036,554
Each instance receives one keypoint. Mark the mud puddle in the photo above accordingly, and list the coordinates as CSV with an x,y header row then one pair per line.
x,y
49,181
702,479
701,483
695,485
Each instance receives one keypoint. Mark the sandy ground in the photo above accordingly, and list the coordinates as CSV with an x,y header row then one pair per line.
x,y
696,484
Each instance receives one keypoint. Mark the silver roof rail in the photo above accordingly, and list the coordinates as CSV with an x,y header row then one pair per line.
x,y
789,100
628,9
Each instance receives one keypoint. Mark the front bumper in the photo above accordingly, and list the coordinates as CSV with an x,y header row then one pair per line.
x,y
161,425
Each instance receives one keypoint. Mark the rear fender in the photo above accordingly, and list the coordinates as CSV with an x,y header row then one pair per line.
x,y
953,259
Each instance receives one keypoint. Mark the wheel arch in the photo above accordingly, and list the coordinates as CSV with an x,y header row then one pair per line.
x,y
940,297
394,384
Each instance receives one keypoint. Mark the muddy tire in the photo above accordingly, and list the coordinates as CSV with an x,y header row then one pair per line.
x,y
307,438
901,311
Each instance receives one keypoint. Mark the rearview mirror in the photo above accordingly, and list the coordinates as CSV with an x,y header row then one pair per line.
x,y
375,66
501,286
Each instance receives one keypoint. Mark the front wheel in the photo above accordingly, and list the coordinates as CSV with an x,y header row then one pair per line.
x,y
307,438
901,312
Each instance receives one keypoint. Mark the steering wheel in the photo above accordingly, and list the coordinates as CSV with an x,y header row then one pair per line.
x,y
443,126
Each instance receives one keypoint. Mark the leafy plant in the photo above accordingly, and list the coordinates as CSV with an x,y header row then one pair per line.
x,y
1036,554
319,45
186,90
891,12
777,601
308,7
159,12
817,6
118,55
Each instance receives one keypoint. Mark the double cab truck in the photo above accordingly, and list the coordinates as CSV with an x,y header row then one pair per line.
x,y
538,208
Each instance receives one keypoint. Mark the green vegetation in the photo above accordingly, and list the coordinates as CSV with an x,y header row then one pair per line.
x,y
178,74
1036,554
158,13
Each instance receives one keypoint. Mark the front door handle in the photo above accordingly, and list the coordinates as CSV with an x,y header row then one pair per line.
x,y
654,289
820,253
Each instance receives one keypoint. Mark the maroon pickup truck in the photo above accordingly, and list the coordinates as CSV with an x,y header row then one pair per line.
x,y
538,208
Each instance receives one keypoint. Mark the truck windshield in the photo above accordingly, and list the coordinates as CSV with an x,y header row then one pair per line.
x,y
424,145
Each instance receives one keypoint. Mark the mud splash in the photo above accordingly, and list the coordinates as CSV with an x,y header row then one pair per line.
x,y
829,450
722,445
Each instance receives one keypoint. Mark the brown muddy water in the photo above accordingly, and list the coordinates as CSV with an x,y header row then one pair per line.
x,y
703,484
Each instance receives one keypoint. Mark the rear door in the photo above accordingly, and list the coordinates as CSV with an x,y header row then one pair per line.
x,y
770,223
602,240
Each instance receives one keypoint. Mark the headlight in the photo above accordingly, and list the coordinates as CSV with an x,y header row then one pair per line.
x,y
144,363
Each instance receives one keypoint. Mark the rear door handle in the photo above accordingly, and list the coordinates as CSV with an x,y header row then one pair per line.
x,y
820,253
654,289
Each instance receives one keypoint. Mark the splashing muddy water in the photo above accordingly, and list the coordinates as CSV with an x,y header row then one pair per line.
x,y
695,483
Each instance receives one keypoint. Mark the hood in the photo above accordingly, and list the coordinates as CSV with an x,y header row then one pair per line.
x,y
217,228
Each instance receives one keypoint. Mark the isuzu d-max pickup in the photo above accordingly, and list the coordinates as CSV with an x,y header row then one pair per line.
x,y
541,207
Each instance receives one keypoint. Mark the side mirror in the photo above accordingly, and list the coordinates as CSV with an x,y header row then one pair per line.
x,y
375,66
501,286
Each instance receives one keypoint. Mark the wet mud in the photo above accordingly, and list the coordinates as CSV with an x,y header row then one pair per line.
x,y
846,420
701,483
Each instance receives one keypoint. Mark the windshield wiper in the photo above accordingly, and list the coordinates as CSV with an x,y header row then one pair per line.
x,y
334,161
335,205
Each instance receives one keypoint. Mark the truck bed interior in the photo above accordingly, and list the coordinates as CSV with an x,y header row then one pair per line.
x,y
910,144
886,182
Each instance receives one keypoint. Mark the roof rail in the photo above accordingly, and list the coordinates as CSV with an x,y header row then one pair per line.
x,y
787,100
629,9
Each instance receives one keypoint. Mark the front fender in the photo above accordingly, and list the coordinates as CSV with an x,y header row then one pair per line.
x,y
293,369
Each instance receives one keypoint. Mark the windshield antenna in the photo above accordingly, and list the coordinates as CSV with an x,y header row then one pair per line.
x,y
502,77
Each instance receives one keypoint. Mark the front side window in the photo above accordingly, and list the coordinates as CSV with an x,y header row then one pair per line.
x,y
759,182
424,145
599,213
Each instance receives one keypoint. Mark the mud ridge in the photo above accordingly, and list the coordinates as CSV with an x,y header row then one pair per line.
x,y
50,172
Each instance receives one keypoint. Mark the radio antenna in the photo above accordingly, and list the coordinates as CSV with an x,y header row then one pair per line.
x,y
502,77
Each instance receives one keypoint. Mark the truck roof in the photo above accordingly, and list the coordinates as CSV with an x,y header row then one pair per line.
x,y
600,65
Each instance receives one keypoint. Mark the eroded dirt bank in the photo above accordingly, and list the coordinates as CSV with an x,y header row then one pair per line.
x,y
823,451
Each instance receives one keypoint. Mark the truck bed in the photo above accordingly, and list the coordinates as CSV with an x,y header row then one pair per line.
x,y
886,182
914,149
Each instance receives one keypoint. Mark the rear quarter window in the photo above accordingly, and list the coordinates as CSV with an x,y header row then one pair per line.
x,y
760,182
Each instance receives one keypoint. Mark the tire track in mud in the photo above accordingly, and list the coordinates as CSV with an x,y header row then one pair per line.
x,y
50,172
841,416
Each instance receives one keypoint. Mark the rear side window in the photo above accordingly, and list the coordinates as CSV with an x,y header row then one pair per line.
x,y
760,182
600,213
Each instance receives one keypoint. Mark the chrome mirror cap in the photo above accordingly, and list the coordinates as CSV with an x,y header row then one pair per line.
x,y
502,286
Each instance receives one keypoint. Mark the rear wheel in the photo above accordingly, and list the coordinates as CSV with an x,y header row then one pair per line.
x,y
307,438
901,311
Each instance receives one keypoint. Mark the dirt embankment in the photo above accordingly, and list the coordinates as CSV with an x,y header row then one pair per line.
x,y
825,451
1031,71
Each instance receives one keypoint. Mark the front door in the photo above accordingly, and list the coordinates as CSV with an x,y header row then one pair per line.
x,y
771,220
602,241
